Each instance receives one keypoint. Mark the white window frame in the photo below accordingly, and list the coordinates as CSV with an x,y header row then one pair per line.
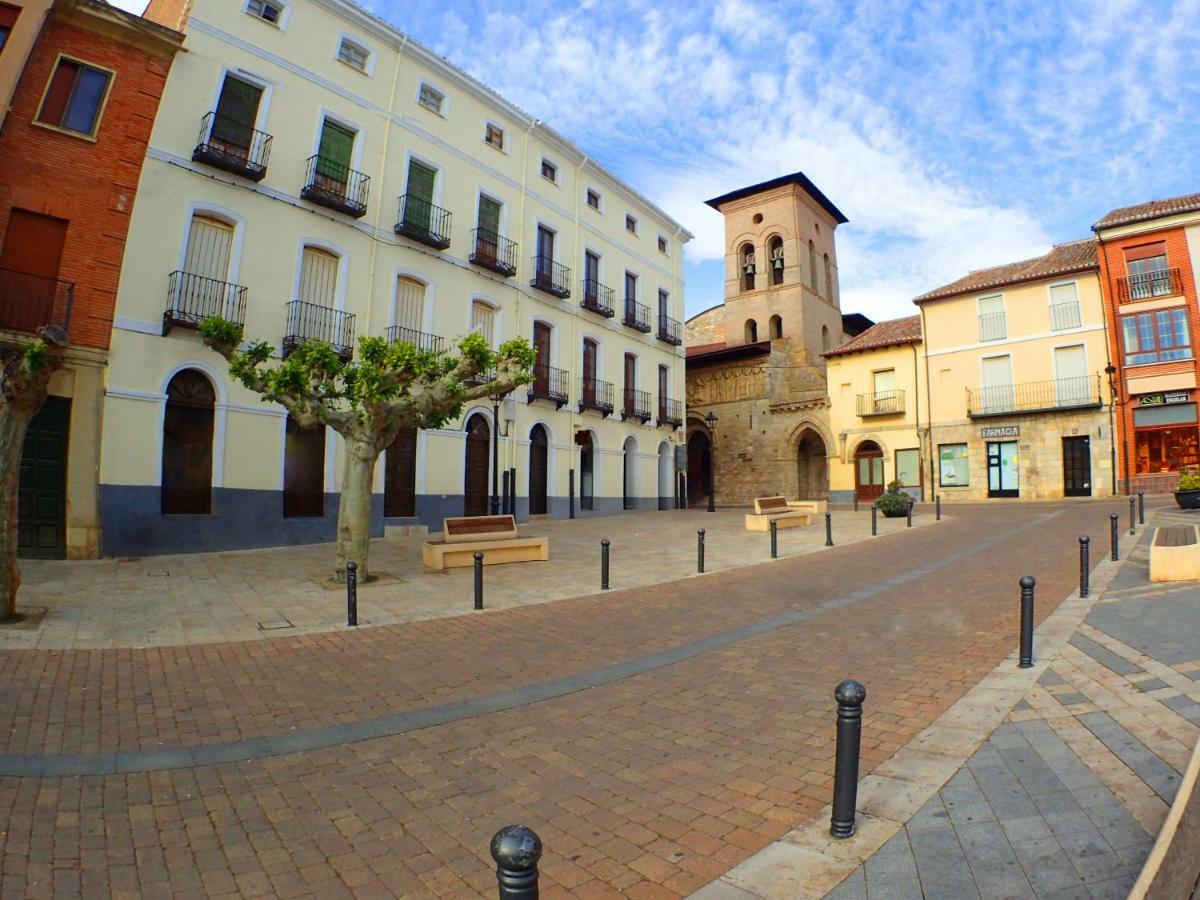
x,y
285,12
979,314
497,318
549,226
264,103
599,207
503,148
1050,301
359,132
229,217
444,111
636,231
554,329
368,68
481,192
343,276
430,296
664,245
438,179
556,180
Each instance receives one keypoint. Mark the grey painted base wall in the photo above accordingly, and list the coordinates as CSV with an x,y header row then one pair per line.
x,y
848,496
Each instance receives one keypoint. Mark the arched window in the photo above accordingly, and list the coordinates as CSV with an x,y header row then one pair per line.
x,y
410,312
824,339
303,470
746,266
200,290
812,266
776,327
187,449
483,320
751,331
828,278
318,277
775,252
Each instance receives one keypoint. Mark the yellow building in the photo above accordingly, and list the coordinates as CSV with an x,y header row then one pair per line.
x,y
20,24
877,399
315,173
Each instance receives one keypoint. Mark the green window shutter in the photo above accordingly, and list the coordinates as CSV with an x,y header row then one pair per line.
x,y
489,215
420,181
237,110
337,145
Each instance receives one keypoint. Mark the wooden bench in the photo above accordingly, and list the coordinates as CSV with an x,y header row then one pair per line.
x,y
774,509
1175,553
495,536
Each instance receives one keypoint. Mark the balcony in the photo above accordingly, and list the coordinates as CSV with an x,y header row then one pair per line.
x,y
491,251
550,384
551,277
232,147
193,298
881,403
670,330
596,394
1064,316
636,405
30,302
597,297
423,222
670,412
637,316
312,322
993,326
1149,285
487,376
1035,397
397,334
336,186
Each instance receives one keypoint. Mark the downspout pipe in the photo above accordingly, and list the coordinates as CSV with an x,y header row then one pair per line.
x,y
917,399
928,387
1113,392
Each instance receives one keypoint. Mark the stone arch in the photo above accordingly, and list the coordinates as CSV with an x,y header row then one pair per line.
x,y
746,266
776,327
809,447
751,331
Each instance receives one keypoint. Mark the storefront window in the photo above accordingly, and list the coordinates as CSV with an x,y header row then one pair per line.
x,y
908,468
1166,438
955,468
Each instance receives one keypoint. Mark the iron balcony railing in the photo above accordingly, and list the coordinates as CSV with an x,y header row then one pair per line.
x,y
1148,285
1034,396
551,277
490,250
637,315
398,334
550,384
31,302
232,146
193,298
596,394
993,326
1065,315
597,297
486,376
881,403
336,186
670,412
313,322
636,405
420,220
670,330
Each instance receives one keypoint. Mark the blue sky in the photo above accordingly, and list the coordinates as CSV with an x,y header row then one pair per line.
x,y
952,135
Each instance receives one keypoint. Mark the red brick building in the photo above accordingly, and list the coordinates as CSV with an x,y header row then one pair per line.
x,y
1147,259
71,152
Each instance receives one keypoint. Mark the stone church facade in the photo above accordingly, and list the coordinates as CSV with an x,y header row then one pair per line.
x,y
754,361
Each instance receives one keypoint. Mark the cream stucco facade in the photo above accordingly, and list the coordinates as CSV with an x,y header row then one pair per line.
x,y
323,75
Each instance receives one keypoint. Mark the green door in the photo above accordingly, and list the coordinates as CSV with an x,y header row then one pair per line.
x,y
335,151
237,110
42,496
418,207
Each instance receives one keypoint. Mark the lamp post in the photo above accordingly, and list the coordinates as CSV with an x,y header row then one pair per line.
x,y
495,504
711,421
1111,370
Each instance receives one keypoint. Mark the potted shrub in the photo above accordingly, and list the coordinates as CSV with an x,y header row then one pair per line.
x,y
1187,495
893,502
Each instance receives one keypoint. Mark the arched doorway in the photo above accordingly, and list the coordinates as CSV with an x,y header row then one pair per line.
x,y
187,449
587,470
629,475
475,478
868,470
538,455
812,469
698,475
666,476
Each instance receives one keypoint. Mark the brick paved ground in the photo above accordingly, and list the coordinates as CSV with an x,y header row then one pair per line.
x,y
651,785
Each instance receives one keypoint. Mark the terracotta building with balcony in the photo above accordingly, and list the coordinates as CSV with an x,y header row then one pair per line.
x,y
1146,255
83,99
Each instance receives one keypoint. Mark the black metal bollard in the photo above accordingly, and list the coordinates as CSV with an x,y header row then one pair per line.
x,y
856,502
1114,522
774,539
700,550
571,493
937,503
910,509
352,594
850,696
479,579
504,492
1085,567
828,529
516,850
1141,508
874,520
604,565
1027,583
1132,516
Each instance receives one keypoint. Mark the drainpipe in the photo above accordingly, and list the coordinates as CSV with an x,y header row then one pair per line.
x,y
917,399
1113,394
928,387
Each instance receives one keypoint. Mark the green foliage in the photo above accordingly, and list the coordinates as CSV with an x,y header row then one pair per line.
x,y
36,356
893,501
1189,481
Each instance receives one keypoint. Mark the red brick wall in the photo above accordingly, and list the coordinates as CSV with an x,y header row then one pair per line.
x,y
1112,267
91,184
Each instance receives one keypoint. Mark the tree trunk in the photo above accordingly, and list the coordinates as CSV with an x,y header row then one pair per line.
x,y
14,422
354,509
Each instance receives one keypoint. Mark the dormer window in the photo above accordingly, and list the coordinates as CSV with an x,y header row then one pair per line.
x,y
631,224
265,10
549,170
353,54
493,136
431,98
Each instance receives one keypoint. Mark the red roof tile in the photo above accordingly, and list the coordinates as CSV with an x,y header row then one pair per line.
x,y
891,333
1152,210
1077,256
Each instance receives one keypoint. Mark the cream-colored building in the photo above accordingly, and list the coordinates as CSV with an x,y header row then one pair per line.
x,y
20,24
878,397
316,173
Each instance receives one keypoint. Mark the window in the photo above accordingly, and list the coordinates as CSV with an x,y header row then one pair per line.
x,y
187,445
995,374
908,468
812,266
662,245
883,387
828,278
318,277
664,303
1064,307
775,252
334,153
1072,384
1148,273
631,224
1165,438
1156,337
483,321
751,331
418,203
200,290
266,10
549,170
593,199
410,307
74,97
489,217
747,267
824,338
993,325
431,98
8,18
237,111
954,465
353,54
631,281
303,470
776,326
493,136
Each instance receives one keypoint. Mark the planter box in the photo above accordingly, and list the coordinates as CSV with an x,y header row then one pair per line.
x,y
1188,499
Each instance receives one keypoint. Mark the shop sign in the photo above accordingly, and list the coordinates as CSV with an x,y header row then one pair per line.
x,y
1164,398
1002,431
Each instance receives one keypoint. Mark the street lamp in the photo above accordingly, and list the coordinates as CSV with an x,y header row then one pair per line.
x,y
711,421
1110,370
496,435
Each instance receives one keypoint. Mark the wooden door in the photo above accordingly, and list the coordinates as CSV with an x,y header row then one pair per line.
x,y
541,366
538,467
1077,466
237,111
868,471
33,246
698,475
630,382
400,476
42,495
187,450
475,479
662,393
545,255
589,373
303,470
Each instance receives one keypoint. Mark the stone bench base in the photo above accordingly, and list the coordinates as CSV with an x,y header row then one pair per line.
x,y
1175,563
762,522
438,555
